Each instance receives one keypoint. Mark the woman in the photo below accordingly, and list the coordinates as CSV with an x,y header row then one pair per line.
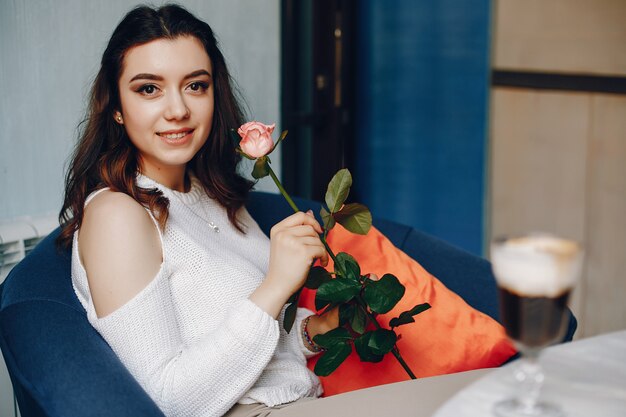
x,y
171,269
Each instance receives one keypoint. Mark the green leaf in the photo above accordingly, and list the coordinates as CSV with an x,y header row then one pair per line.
x,y
290,316
328,308
382,341
384,294
317,276
338,190
347,267
359,320
352,315
338,290
403,318
261,169
327,219
406,317
332,338
361,344
420,308
282,136
280,139
331,359
290,311
355,217
346,313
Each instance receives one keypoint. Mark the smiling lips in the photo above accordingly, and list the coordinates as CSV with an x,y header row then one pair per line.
x,y
175,136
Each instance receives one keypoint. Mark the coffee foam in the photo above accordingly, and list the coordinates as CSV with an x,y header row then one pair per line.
x,y
536,265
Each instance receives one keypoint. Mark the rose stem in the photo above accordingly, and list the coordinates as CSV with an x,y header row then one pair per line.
x,y
296,209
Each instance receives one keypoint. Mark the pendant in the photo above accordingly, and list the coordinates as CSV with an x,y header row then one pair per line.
x,y
214,227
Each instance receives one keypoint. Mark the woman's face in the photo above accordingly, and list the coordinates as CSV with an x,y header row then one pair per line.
x,y
166,95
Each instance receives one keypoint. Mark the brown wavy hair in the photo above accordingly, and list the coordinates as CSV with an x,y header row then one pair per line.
x,y
105,156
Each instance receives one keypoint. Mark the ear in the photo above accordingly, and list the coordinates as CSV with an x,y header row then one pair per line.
x,y
117,116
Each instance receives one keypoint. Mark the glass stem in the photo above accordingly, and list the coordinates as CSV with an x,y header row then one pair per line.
x,y
530,376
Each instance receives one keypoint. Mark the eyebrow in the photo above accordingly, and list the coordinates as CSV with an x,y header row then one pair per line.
x,y
146,76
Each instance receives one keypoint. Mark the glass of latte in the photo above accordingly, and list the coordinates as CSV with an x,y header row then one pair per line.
x,y
535,274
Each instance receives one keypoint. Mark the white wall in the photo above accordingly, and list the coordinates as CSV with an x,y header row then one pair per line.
x,y
49,53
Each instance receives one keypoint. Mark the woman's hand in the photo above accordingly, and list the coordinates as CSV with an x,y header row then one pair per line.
x,y
324,323
294,245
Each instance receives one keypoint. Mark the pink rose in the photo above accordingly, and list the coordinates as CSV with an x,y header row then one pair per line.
x,y
256,139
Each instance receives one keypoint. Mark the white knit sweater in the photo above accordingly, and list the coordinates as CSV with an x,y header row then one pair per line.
x,y
192,338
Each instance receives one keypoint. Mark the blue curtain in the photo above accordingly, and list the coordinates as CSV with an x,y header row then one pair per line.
x,y
422,108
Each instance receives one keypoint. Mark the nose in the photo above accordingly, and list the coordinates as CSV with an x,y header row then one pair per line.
x,y
176,107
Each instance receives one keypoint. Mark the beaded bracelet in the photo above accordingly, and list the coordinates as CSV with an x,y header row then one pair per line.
x,y
309,343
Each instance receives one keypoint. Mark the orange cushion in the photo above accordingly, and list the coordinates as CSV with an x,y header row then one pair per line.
x,y
449,337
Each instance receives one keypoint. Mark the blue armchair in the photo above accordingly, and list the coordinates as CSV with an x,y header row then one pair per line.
x,y
60,366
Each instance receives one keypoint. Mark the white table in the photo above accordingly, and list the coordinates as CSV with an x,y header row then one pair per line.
x,y
418,398
586,377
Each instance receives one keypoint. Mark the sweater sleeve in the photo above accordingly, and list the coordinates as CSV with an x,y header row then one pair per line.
x,y
205,378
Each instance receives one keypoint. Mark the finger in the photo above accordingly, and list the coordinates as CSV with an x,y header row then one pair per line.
x,y
320,253
311,241
373,277
324,259
303,230
319,247
300,218
312,221
289,221
313,246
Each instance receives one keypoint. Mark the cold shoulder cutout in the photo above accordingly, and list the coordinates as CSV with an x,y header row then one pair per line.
x,y
118,250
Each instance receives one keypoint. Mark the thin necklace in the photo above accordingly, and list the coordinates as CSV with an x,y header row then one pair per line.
x,y
211,224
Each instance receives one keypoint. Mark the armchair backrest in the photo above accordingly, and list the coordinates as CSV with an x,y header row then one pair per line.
x,y
60,366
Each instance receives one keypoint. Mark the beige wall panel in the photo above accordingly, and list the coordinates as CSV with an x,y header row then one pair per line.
x,y
538,165
538,149
605,289
580,36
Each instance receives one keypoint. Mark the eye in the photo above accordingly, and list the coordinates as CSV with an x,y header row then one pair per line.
x,y
147,89
198,86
